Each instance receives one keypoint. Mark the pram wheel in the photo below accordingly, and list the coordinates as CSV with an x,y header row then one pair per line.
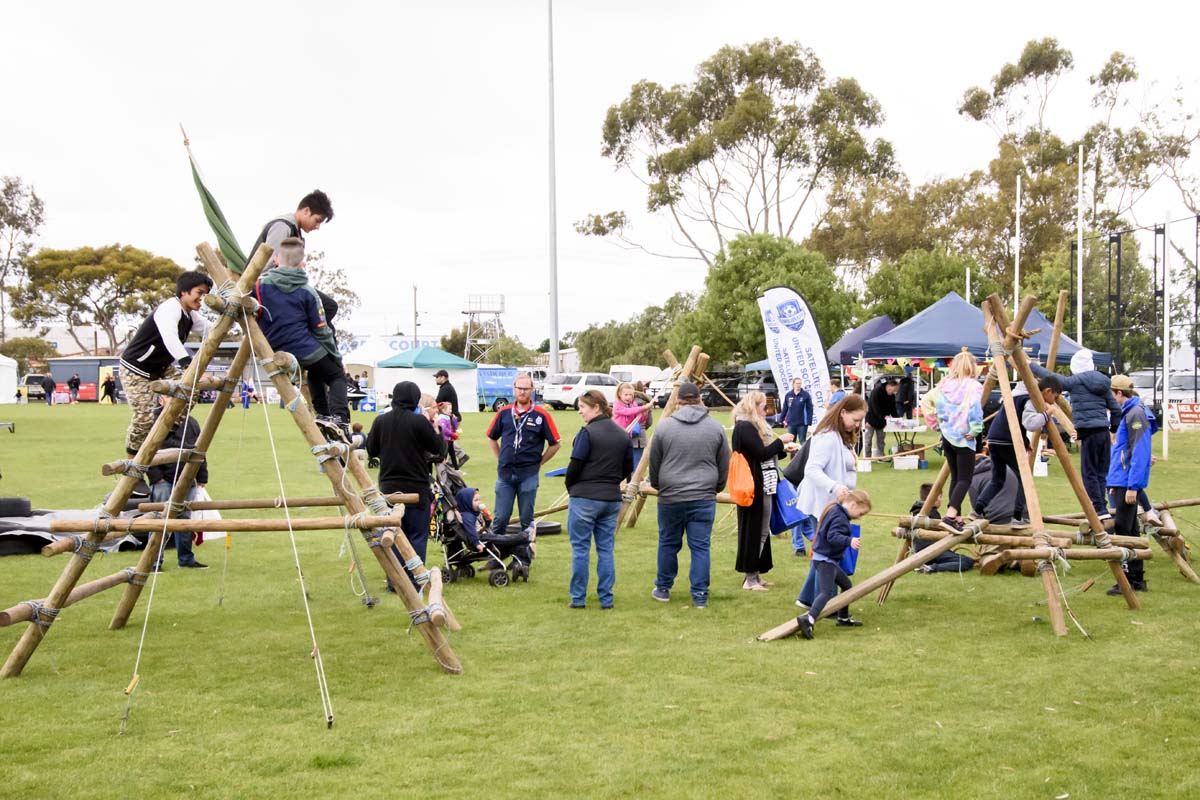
x,y
449,575
498,578
520,572
466,571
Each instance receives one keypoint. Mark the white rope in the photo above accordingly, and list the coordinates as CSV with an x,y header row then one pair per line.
x,y
237,481
162,544
318,663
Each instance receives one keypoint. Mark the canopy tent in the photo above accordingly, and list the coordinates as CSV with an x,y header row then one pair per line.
x,y
754,366
419,367
950,324
847,349
8,380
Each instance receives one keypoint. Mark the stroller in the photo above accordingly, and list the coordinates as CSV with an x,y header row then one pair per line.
x,y
459,528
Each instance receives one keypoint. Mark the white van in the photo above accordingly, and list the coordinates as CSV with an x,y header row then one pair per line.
x,y
634,372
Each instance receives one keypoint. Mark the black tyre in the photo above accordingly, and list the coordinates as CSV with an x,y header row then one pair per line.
x,y
466,572
15,507
449,575
500,403
544,528
498,578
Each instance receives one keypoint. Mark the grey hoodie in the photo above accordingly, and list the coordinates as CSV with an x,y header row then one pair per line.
x,y
689,456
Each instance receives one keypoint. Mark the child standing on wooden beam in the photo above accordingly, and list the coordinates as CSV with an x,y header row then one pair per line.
x,y
833,537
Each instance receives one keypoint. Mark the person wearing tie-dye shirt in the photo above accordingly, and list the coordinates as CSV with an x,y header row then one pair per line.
x,y
954,408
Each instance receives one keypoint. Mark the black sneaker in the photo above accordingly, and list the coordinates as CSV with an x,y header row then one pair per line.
x,y
952,524
193,565
333,429
1138,586
848,622
806,626
801,552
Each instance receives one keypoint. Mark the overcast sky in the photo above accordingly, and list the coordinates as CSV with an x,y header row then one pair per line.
x,y
427,124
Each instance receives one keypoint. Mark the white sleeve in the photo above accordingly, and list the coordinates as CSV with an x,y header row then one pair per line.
x,y
200,325
166,318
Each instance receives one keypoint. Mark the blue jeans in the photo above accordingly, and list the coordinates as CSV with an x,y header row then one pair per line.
x,y
637,456
415,525
803,533
161,493
695,520
799,431
808,592
588,520
524,492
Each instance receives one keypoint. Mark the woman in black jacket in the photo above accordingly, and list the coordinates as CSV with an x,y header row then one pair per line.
x,y
752,437
601,457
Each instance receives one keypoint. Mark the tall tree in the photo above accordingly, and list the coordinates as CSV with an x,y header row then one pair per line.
x,y
747,147
902,288
333,281
640,340
26,349
727,322
101,286
21,215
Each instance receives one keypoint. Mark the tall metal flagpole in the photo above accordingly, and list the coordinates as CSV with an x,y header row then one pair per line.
x,y
554,365
1079,255
1017,248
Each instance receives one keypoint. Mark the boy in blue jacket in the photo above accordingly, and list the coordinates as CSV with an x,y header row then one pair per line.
x,y
1129,468
833,537
293,320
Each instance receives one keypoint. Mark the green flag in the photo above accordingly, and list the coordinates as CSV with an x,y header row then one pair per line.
x,y
235,259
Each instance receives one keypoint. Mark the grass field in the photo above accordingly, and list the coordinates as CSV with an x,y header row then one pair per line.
x,y
955,688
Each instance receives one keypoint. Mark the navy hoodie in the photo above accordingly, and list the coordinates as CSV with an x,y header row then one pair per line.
x,y
470,518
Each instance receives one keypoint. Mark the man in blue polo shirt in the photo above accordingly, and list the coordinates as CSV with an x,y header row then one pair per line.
x,y
523,437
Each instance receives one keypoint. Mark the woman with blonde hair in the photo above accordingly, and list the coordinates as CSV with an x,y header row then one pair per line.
x,y
954,408
752,437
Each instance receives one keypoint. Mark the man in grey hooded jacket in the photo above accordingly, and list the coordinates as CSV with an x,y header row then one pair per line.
x,y
689,462
1096,416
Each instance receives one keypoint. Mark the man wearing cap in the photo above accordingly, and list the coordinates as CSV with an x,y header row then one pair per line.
x,y
446,392
689,462
1129,469
523,437
1095,413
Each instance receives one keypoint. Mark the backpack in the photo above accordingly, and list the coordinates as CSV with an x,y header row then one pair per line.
x,y
741,481
794,471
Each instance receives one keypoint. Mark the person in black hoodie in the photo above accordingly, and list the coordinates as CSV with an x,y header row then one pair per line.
x,y
162,480
401,438
833,537
880,405
601,457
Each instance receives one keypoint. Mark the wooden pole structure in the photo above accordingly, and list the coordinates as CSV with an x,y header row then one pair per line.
x,y
37,630
1051,358
177,525
1058,622
396,498
212,423
1021,362
890,574
168,456
334,471
1175,546
639,474
1004,540
939,483
23,612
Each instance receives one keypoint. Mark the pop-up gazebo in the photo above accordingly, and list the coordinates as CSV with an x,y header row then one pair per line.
x,y
420,365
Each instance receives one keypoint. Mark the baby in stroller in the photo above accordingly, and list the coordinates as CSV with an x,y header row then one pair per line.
x,y
466,538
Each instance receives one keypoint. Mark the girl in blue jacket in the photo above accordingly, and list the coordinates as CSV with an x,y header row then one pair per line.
x,y
833,537
1129,468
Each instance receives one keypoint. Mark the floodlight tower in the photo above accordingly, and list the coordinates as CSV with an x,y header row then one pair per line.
x,y
484,327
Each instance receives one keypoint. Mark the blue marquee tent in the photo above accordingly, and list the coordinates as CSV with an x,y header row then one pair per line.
x,y
847,349
950,324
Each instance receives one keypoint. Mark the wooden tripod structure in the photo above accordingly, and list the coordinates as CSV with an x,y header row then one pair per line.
x,y
1006,348
368,509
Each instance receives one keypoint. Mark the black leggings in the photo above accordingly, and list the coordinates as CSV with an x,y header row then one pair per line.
x,y
962,466
830,579
327,385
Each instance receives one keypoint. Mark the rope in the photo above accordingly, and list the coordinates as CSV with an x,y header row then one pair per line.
x,y
997,348
132,469
375,501
162,543
318,663
43,615
365,594
414,564
419,617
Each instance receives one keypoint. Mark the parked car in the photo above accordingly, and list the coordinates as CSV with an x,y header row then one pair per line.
x,y
758,382
33,386
1184,386
661,384
538,374
564,390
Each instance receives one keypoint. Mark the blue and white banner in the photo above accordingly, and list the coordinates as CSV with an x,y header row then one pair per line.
x,y
794,345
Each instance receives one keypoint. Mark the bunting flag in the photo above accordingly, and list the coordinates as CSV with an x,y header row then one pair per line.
x,y
794,345
235,259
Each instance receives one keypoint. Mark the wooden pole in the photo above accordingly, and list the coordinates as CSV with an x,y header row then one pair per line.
x,y
1022,366
396,498
1051,357
1112,554
23,612
75,567
643,466
1175,549
168,456
176,525
1058,622
334,471
983,538
890,574
206,383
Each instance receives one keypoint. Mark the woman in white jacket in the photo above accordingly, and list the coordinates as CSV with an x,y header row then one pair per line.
x,y
830,471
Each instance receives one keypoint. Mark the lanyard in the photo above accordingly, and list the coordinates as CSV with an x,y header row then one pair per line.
x,y
518,426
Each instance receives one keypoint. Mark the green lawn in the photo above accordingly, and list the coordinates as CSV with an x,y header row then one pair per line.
x,y
955,688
